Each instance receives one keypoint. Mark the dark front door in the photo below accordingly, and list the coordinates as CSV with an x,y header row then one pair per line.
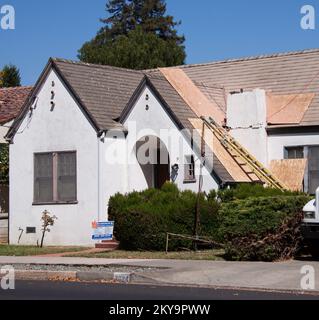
x,y
161,170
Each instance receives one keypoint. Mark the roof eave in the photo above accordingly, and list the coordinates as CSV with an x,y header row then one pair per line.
x,y
297,128
146,82
13,130
51,65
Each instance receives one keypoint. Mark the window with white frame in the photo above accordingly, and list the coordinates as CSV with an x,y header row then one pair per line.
x,y
55,177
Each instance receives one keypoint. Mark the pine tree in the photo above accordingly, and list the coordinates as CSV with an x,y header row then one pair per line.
x,y
121,20
138,50
10,76
143,21
150,14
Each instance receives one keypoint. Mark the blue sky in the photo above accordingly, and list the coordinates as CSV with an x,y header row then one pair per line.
x,y
214,29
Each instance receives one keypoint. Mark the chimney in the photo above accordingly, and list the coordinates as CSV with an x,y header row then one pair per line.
x,y
247,121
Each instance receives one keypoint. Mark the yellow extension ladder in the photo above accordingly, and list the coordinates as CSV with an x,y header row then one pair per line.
x,y
238,151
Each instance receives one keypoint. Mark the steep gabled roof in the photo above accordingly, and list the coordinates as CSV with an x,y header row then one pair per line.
x,y
11,102
105,93
281,74
103,90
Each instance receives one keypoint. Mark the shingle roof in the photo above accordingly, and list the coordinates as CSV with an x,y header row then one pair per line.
x,y
178,106
103,90
106,91
11,102
285,73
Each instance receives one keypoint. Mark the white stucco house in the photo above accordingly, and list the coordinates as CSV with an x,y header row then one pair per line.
x,y
88,131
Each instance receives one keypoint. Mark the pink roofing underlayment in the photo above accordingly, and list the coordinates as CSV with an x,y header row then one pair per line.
x,y
201,106
287,109
192,95
290,171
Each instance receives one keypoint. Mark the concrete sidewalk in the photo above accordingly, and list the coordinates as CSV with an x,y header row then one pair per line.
x,y
284,276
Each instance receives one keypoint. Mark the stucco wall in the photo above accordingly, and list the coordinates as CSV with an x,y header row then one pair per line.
x,y
156,122
104,167
63,129
113,169
277,143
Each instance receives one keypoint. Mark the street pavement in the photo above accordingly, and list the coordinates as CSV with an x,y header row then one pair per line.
x,y
283,276
44,290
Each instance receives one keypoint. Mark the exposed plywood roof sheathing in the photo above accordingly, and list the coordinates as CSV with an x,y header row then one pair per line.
x,y
290,171
287,109
192,95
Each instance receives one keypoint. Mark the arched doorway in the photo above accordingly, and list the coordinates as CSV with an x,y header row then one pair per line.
x,y
153,158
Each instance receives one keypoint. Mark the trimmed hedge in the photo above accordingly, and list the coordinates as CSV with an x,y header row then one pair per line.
x,y
250,190
261,229
252,223
142,219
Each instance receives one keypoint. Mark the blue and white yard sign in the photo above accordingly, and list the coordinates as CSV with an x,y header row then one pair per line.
x,y
103,230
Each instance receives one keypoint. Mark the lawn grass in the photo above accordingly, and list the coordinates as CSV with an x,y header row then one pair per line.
x,y
8,250
181,255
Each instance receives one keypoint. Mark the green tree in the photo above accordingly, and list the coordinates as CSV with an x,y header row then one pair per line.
x,y
137,50
138,34
150,15
10,77
4,164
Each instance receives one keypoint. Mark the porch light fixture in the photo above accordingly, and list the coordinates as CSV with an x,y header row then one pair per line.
x,y
147,107
175,167
147,97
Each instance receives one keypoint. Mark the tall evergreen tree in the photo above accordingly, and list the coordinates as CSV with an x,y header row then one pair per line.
x,y
120,21
150,15
139,25
10,76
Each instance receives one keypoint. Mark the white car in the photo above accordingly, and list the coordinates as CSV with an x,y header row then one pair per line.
x,y
310,225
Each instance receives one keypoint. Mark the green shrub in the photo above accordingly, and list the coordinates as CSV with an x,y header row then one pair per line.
x,y
249,190
261,229
253,223
142,219
4,164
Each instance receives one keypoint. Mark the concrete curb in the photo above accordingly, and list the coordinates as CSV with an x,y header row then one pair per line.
x,y
45,275
133,278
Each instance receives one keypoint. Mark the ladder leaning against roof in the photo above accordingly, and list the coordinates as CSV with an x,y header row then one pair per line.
x,y
238,152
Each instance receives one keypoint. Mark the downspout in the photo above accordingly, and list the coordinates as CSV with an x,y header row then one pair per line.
x,y
100,139
126,167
